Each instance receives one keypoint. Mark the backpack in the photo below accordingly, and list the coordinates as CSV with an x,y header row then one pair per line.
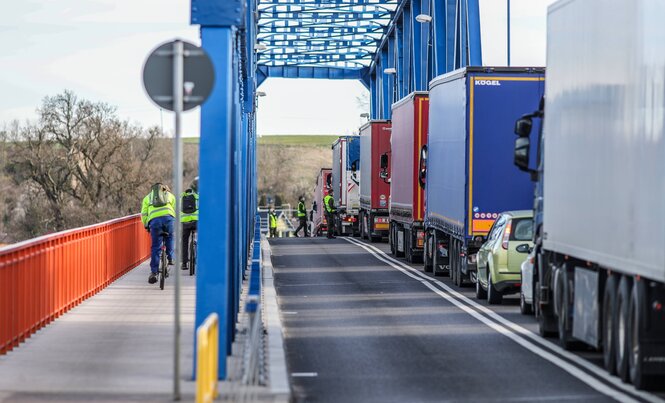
x,y
189,203
159,196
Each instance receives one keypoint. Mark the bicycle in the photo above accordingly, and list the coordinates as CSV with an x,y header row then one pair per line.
x,y
163,263
192,253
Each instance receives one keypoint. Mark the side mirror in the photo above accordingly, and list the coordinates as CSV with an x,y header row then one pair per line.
x,y
329,181
521,157
422,171
523,248
383,175
384,161
354,166
523,126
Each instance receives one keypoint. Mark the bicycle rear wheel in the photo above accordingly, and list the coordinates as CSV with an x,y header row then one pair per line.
x,y
162,270
192,254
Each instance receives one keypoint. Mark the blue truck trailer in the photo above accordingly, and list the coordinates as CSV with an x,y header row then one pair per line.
x,y
468,180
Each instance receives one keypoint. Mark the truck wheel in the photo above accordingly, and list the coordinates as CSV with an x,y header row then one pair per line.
x,y
608,325
459,281
391,239
451,259
407,246
397,252
480,291
622,323
494,296
637,313
565,340
427,253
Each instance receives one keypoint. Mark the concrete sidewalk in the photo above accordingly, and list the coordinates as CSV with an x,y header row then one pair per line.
x,y
116,346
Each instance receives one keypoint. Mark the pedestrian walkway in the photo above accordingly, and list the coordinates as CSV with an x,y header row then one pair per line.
x,y
116,346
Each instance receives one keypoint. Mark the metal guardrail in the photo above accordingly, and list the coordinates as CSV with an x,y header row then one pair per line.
x,y
254,346
42,278
207,355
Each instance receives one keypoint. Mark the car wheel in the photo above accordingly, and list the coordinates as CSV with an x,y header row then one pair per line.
x,y
494,296
480,291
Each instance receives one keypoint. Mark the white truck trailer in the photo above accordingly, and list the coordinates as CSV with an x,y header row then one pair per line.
x,y
600,198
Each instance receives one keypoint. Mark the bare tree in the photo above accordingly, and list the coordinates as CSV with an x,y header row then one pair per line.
x,y
84,162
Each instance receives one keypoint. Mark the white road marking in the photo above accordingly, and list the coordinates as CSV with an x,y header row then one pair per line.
x,y
516,332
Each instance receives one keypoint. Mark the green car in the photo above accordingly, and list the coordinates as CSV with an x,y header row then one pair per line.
x,y
499,259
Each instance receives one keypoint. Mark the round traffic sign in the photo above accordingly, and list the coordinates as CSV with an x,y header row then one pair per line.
x,y
198,75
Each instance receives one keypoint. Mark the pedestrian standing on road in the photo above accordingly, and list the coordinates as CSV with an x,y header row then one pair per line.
x,y
331,210
157,216
272,220
302,216
189,218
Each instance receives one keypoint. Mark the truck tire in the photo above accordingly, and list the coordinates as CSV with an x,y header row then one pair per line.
x,y
563,293
408,253
494,296
427,253
546,321
451,259
622,323
608,325
638,312
391,239
480,291
397,252
459,279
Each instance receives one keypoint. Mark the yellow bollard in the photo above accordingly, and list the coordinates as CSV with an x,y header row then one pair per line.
x,y
207,365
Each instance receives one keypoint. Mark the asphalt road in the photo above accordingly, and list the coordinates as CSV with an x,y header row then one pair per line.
x,y
361,326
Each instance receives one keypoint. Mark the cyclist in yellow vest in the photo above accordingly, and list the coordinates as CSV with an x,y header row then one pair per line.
x,y
158,215
302,216
272,217
189,217
331,210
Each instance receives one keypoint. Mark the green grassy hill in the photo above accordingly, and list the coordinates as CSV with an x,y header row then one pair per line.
x,y
298,140
287,140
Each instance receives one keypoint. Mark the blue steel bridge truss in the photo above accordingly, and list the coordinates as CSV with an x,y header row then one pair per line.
x,y
394,47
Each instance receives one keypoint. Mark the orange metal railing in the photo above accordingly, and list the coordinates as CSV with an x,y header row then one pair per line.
x,y
42,278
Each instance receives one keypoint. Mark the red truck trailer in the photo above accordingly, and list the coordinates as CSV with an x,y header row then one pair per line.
x,y
410,120
374,186
323,184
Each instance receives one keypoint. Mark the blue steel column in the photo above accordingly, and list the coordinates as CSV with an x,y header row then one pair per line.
x,y
392,81
215,247
399,58
373,110
407,50
475,49
386,97
419,51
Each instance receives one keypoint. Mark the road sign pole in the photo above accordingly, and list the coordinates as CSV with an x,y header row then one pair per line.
x,y
178,86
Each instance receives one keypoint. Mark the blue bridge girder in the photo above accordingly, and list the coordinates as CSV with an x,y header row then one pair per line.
x,y
394,47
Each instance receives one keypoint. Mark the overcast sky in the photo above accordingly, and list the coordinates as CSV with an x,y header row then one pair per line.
x,y
96,48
